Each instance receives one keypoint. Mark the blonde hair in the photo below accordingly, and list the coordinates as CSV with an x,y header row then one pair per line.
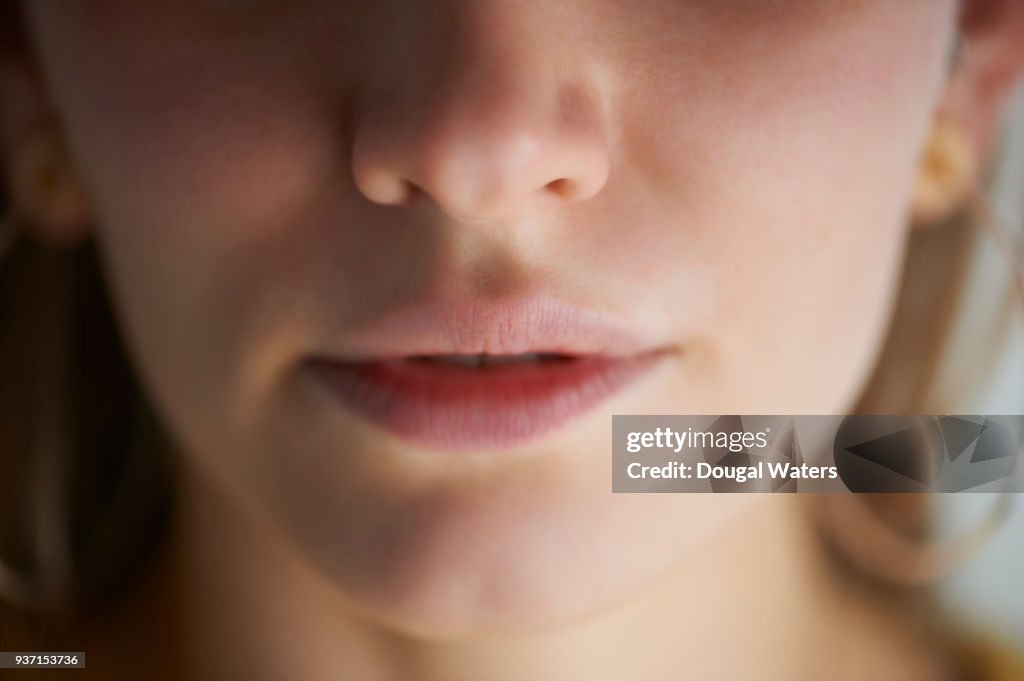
x,y
982,370
956,341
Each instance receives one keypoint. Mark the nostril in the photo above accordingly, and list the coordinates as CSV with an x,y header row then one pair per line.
x,y
413,192
561,188
478,168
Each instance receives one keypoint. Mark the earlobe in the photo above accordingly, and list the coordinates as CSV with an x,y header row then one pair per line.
x,y
948,168
947,175
44,191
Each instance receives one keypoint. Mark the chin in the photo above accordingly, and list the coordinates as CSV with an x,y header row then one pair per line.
x,y
508,556
445,547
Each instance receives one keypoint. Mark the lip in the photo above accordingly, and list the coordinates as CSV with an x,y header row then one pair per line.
x,y
376,371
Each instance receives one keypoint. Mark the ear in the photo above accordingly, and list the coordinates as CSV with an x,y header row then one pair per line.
x,y
992,63
985,70
42,188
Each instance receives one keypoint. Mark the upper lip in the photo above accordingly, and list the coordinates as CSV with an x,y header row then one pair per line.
x,y
496,327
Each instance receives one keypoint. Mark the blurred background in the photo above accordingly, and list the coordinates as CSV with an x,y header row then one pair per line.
x,y
987,592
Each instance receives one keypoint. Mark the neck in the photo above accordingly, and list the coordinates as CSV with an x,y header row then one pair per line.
x,y
757,600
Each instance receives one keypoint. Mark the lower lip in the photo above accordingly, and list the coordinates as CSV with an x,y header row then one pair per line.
x,y
444,406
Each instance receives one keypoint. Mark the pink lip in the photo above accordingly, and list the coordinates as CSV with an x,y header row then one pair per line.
x,y
377,374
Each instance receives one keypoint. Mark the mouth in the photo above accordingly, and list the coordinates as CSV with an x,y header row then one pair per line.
x,y
452,397
486,362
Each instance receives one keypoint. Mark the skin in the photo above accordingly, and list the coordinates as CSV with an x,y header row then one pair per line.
x,y
728,179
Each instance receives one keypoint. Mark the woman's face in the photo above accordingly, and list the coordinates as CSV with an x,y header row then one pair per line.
x,y
700,203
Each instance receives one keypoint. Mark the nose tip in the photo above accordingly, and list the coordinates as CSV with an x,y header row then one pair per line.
x,y
480,171
482,152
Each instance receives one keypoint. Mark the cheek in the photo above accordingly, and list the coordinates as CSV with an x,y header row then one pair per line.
x,y
786,178
203,163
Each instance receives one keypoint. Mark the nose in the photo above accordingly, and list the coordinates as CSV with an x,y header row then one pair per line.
x,y
482,117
